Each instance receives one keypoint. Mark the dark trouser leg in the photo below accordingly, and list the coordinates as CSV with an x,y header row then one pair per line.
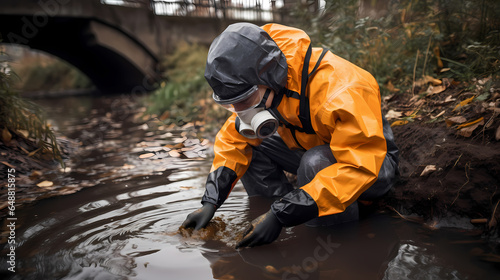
x,y
321,157
265,174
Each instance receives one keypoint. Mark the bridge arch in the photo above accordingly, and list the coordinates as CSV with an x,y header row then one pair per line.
x,y
117,47
112,59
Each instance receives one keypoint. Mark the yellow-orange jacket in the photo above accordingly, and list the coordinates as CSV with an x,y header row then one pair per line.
x,y
345,112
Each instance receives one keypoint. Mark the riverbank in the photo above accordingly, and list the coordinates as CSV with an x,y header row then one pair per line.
x,y
450,162
449,154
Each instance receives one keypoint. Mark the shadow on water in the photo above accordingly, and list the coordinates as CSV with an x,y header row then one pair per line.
x,y
125,224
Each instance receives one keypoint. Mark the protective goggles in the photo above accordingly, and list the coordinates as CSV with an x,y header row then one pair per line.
x,y
244,102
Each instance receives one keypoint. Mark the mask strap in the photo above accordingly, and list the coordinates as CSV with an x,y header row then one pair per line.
x,y
264,99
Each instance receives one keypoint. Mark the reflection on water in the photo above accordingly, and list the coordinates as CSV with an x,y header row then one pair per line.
x,y
123,222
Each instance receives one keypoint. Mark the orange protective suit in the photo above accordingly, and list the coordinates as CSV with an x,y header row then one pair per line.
x,y
345,113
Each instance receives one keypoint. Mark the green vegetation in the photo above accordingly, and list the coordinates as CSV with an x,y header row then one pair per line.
x,y
185,96
22,120
457,39
44,73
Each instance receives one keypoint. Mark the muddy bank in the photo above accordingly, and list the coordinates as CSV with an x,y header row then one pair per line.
x,y
462,176
450,172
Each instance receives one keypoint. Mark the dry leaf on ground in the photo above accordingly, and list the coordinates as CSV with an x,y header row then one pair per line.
x,y
393,115
396,123
455,120
428,170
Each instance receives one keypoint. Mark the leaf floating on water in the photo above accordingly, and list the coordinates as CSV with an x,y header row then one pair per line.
x,y
479,221
45,184
205,142
128,166
153,149
148,155
272,269
174,154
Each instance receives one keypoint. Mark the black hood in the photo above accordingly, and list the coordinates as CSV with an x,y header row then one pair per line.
x,y
241,57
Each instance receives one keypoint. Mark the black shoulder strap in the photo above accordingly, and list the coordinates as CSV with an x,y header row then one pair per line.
x,y
304,109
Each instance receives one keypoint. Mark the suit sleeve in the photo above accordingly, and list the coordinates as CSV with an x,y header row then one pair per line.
x,y
232,156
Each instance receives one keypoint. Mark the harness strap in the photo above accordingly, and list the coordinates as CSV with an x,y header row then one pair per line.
x,y
304,107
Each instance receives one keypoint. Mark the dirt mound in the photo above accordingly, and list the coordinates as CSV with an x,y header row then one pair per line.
x,y
448,168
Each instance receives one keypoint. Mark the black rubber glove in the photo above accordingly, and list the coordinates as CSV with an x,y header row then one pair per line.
x,y
200,218
263,230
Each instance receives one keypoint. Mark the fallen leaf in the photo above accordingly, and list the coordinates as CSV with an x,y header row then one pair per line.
x,y
45,184
454,120
438,115
397,123
435,89
188,125
438,57
148,155
11,166
433,81
463,103
466,131
471,123
391,87
428,170
35,174
6,136
393,115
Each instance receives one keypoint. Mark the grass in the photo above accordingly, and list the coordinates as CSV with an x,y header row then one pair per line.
x,y
456,39
185,96
24,118
40,72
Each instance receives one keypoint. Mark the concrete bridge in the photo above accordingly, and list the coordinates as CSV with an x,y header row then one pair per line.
x,y
119,46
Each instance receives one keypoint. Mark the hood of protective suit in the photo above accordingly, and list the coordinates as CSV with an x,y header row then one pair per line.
x,y
241,57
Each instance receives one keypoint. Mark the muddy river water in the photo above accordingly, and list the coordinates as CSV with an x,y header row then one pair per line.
x,y
136,184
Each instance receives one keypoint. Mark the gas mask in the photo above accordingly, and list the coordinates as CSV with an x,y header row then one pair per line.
x,y
254,120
